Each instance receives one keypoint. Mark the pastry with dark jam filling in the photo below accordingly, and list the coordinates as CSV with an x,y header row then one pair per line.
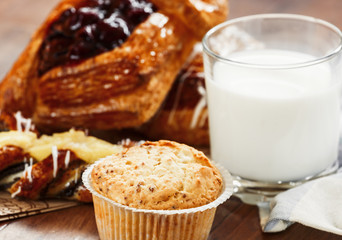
x,y
105,64
94,27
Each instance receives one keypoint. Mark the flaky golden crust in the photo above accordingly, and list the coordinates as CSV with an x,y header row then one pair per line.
x,y
197,15
41,177
39,182
28,171
18,88
120,88
11,155
184,115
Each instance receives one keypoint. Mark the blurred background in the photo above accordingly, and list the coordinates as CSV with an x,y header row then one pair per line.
x,y
20,18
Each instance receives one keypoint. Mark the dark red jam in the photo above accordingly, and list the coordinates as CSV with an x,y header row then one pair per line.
x,y
94,27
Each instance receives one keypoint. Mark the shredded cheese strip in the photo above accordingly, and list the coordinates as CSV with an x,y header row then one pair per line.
x,y
199,107
16,192
28,125
21,120
76,176
54,152
18,118
67,159
28,170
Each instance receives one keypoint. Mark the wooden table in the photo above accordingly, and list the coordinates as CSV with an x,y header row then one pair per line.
x,y
234,220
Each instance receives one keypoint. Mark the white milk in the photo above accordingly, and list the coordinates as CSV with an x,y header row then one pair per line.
x,y
273,125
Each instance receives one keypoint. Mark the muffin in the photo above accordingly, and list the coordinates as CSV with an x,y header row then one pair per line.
x,y
158,190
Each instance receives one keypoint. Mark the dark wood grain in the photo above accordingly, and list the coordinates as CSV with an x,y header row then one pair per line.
x,y
72,223
234,220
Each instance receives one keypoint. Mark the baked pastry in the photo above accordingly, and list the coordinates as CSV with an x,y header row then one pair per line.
x,y
105,64
160,190
36,167
161,175
183,117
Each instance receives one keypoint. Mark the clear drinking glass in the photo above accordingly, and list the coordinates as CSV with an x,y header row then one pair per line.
x,y
273,88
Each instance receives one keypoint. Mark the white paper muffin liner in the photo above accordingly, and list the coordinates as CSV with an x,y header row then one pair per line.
x,y
120,222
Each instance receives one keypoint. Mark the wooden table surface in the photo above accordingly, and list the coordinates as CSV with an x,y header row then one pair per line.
x,y
234,220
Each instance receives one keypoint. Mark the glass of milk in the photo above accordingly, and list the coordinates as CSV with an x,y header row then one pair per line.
x,y
273,89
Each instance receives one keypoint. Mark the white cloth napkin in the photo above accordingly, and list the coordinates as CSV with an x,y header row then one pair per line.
x,y
316,204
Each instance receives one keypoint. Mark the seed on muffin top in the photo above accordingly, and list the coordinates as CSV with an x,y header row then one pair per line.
x,y
161,175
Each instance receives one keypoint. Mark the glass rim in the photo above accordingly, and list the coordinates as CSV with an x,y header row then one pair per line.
x,y
317,60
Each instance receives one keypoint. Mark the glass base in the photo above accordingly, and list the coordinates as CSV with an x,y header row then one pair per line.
x,y
254,192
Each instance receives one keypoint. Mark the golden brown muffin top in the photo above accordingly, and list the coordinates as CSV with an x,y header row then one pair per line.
x,y
161,175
